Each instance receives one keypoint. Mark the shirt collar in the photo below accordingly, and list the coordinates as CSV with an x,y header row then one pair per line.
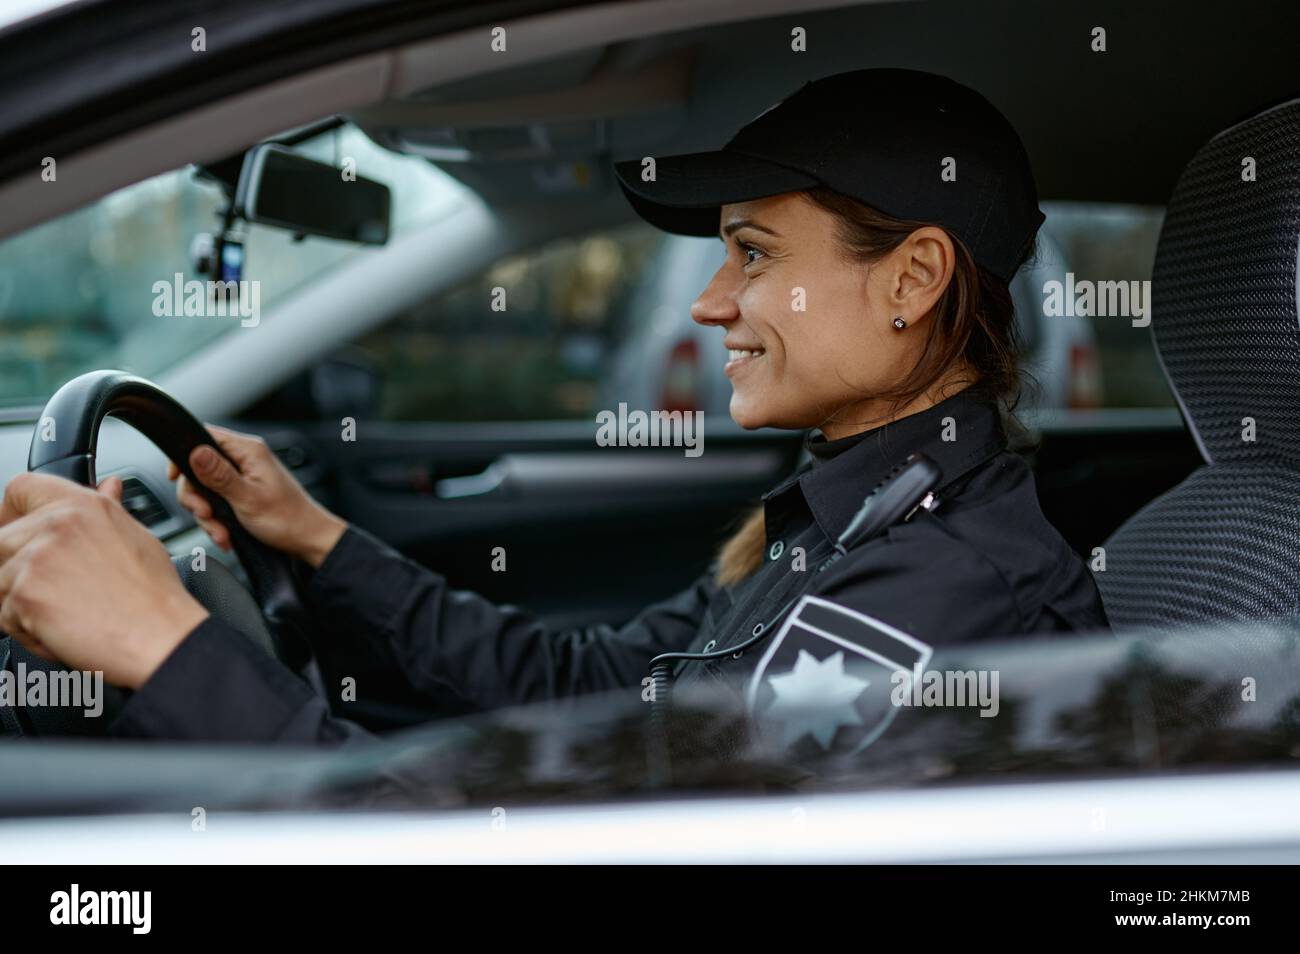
x,y
846,470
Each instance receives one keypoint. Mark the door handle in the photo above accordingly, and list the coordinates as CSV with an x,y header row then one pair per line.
x,y
473,485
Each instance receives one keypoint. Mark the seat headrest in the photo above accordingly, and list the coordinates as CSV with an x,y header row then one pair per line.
x,y
1223,301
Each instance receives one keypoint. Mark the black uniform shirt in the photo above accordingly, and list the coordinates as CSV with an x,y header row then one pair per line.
x,y
985,563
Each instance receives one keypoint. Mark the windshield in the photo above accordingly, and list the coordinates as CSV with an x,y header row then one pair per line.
x,y
80,292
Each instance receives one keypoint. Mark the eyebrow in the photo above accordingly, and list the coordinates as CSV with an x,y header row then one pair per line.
x,y
738,224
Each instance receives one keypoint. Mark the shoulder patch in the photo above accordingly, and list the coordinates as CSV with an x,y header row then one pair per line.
x,y
825,680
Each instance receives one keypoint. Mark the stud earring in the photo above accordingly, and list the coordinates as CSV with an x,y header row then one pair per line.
x,y
899,323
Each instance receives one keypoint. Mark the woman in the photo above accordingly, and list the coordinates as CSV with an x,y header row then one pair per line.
x,y
872,221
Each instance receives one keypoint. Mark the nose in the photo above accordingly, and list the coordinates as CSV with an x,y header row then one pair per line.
x,y
716,305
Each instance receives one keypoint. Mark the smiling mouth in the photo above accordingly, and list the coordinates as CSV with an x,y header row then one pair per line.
x,y
739,358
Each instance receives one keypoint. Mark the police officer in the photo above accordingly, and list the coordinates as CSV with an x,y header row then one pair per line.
x,y
872,220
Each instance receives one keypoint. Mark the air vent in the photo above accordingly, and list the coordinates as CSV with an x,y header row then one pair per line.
x,y
141,503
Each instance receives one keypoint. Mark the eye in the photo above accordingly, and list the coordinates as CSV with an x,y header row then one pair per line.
x,y
746,248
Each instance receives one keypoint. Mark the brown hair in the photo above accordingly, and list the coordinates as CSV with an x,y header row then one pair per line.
x,y
973,321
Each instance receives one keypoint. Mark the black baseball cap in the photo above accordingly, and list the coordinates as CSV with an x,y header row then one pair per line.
x,y
881,136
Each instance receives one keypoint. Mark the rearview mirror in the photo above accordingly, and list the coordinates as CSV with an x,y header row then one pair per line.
x,y
279,187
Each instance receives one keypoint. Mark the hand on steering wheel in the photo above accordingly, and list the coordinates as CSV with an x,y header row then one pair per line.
x,y
84,583
55,594
265,497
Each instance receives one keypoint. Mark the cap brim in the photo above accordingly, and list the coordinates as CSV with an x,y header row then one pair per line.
x,y
690,189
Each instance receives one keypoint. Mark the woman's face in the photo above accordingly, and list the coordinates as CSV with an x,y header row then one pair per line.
x,y
810,334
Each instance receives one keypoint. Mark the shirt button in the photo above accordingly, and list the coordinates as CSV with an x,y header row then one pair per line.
x,y
777,549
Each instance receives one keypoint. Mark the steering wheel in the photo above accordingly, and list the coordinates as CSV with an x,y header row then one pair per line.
x,y
64,445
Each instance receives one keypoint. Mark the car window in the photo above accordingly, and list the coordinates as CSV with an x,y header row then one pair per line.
x,y
80,292
595,320
531,338
1099,243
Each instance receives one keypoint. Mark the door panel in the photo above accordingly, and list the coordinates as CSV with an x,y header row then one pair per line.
x,y
595,533
589,533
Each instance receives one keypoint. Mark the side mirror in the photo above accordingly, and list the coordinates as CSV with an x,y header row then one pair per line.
x,y
279,187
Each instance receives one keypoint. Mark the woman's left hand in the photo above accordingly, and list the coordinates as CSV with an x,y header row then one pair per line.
x,y
83,583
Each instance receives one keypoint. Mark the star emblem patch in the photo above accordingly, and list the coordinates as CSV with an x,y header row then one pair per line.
x,y
823,685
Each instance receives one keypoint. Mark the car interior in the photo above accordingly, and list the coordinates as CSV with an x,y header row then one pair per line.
x,y
477,428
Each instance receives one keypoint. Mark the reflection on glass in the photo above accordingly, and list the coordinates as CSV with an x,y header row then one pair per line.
x,y
77,293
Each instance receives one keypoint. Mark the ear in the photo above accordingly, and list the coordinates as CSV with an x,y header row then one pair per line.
x,y
922,268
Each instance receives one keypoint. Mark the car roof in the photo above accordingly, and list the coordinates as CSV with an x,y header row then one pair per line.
x,y
594,81
1085,115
